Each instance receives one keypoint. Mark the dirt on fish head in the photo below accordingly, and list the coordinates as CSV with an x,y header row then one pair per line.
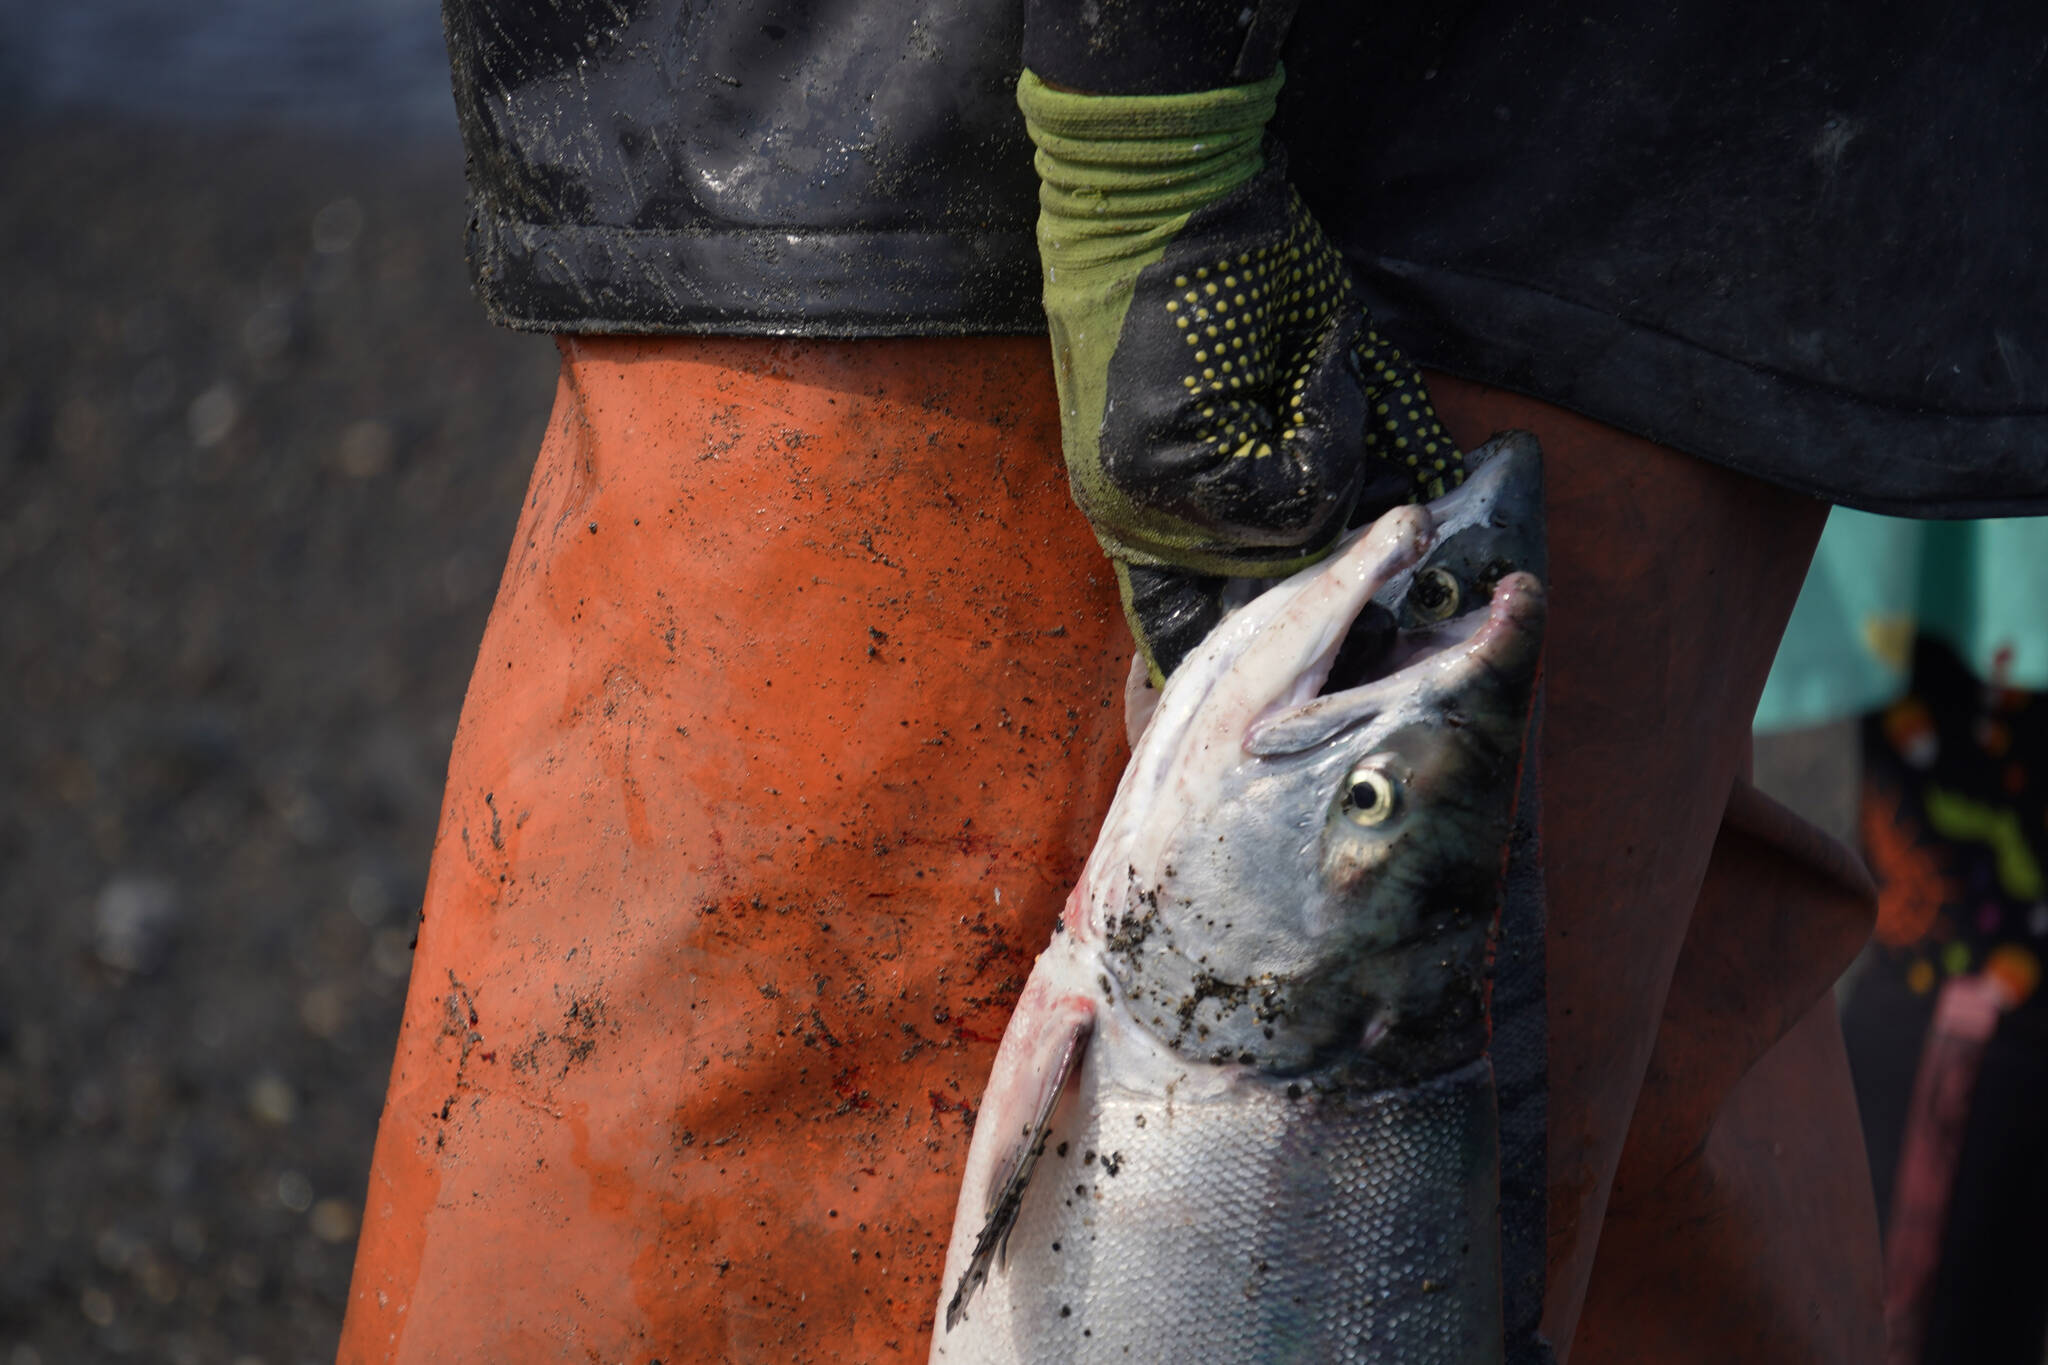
x,y
1323,894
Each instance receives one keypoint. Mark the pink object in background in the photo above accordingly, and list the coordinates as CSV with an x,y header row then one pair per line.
x,y
1966,1014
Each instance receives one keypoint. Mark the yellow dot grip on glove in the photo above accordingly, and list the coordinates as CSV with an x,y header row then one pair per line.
x,y
1225,404
1119,175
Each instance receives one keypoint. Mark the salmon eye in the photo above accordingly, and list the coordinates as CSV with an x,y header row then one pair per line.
x,y
1369,796
1435,595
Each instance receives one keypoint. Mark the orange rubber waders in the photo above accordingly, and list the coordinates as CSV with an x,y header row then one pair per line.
x,y
796,715
1742,1226
797,711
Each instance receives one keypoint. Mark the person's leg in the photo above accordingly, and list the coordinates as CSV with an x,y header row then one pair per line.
x,y
1763,1246
1671,580
795,717
1741,1225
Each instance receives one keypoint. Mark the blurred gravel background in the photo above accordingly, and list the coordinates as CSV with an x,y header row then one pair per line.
x,y
260,459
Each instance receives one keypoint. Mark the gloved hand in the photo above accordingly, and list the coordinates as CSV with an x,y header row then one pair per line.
x,y
1225,404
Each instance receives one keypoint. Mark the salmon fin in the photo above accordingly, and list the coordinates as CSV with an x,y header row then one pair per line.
x,y
1061,1047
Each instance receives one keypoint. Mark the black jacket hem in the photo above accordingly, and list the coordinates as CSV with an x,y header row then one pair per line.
x,y
755,282
1905,461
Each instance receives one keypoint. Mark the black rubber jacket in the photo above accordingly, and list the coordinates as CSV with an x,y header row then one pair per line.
x,y
1803,241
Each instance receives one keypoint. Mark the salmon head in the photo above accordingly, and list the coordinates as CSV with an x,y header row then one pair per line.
x,y
1301,869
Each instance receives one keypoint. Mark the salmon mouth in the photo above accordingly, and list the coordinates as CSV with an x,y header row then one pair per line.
x,y
1467,605
1495,649
1340,638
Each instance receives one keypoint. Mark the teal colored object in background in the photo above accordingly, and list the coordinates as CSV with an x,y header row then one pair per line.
x,y
1980,586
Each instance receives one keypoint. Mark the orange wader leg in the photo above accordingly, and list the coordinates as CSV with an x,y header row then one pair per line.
x,y
1671,580
1742,1225
795,717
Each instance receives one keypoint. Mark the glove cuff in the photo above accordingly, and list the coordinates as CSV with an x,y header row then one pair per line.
x,y
1123,118
1124,166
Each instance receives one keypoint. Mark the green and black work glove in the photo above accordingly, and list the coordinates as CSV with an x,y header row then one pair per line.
x,y
1225,403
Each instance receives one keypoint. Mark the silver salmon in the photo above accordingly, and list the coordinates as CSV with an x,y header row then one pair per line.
x,y
1243,1111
